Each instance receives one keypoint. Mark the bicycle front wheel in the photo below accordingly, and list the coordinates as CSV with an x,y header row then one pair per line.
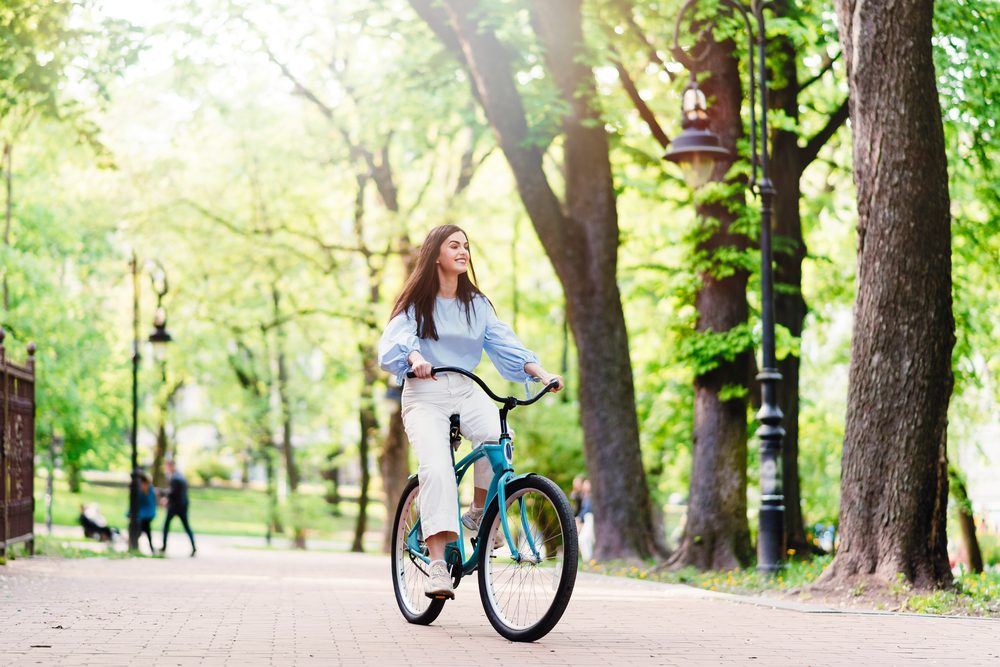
x,y
408,571
525,591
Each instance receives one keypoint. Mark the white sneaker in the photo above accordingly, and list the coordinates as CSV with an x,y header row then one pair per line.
x,y
439,584
474,517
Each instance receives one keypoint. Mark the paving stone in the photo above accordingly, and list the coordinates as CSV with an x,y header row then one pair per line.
x,y
233,606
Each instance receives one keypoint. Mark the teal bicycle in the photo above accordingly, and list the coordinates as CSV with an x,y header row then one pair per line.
x,y
525,553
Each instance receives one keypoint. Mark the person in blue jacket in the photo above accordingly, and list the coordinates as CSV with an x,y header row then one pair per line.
x,y
441,318
147,508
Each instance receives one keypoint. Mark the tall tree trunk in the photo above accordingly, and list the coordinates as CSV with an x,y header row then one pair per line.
x,y
274,525
394,468
894,484
8,179
966,522
331,473
789,304
580,236
369,431
161,447
74,476
717,534
284,399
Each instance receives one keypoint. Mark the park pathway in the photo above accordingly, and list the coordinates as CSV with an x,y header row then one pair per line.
x,y
241,606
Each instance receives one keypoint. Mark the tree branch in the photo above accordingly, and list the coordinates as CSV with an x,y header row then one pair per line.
x,y
809,152
488,62
824,68
625,8
640,104
300,88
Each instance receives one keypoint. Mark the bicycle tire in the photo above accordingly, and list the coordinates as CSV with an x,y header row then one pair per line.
x,y
548,500
407,578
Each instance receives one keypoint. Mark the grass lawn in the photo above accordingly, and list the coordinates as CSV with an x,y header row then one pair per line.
x,y
973,594
219,511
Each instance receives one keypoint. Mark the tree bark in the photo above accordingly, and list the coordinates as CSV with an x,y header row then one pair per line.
x,y
966,522
894,484
394,468
331,473
580,236
369,430
298,532
716,533
8,178
160,449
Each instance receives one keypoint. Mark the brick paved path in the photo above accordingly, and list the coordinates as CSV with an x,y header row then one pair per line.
x,y
244,607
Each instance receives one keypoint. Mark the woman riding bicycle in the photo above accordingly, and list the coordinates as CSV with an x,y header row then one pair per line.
x,y
442,319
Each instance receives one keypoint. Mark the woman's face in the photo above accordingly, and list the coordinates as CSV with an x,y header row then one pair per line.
x,y
453,257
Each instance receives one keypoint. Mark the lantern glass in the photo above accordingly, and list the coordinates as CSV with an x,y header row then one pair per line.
x,y
694,107
697,170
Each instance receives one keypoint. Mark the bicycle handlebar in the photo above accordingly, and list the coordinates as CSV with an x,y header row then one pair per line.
x,y
509,401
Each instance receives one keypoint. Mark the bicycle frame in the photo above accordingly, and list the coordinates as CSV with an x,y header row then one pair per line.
x,y
503,474
501,457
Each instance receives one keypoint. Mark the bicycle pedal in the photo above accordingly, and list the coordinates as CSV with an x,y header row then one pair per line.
x,y
441,597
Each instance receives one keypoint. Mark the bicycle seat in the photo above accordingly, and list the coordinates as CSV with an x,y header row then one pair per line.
x,y
455,433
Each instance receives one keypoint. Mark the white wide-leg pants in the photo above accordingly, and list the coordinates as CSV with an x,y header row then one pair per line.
x,y
427,405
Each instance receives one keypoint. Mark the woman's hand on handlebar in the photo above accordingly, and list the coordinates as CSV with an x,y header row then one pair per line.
x,y
420,367
531,368
549,379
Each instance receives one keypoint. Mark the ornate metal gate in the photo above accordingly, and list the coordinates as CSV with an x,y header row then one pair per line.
x,y
17,450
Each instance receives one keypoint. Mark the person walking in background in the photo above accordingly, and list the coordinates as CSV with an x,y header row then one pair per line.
x,y
147,508
576,499
177,504
586,519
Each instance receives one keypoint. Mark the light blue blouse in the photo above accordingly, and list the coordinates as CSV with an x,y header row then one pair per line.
x,y
458,344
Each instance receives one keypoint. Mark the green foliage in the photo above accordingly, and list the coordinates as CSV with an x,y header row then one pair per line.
x,y
57,59
549,441
976,594
46,545
705,350
795,574
211,469
973,594
60,278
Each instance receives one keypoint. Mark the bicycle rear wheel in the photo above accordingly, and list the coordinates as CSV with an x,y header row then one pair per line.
x,y
526,592
408,571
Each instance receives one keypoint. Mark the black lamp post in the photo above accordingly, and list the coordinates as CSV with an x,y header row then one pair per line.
x,y
159,338
696,149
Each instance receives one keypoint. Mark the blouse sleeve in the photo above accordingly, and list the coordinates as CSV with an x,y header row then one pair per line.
x,y
505,349
398,340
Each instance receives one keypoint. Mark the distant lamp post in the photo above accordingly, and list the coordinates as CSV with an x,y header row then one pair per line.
x,y
696,150
159,338
55,460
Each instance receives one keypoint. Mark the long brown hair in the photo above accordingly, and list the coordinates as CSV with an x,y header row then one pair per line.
x,y
421,288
